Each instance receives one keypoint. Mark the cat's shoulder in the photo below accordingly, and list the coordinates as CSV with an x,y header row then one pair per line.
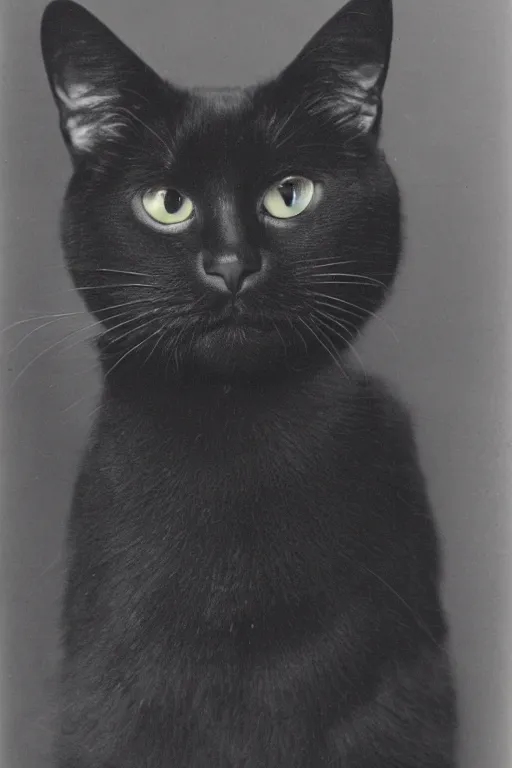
x,y
383,396
375,401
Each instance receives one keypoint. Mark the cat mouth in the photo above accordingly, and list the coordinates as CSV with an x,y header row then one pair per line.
x,y
232,319
232,323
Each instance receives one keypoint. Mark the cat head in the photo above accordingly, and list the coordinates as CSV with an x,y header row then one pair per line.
x,y
229,229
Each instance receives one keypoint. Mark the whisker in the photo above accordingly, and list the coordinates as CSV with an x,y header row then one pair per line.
x,y
281,337
94,410
329,351
176,348
281,127
61,341
132,331
41,317
142,325
40,354
336,353
56,318
312,281
81,288
336,320
320,263
324,303
162,334
300,335
123,272
80,400
78,289
30,333
137,94
147,127
113,317
133,349
130,303
115,327
366,278
332,319
364,312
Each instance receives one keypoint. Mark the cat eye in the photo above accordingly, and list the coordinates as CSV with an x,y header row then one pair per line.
x,y
289,197
167,206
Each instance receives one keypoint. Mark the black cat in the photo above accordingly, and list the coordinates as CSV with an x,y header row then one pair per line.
x,y
253,576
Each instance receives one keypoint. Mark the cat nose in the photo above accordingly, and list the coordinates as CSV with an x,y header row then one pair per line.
x,y
231,269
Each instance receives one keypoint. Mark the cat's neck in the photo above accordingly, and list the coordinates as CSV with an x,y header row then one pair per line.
x,y
192,381
202,400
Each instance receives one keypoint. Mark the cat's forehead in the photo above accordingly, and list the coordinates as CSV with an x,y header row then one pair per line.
x,y
212,113
217,129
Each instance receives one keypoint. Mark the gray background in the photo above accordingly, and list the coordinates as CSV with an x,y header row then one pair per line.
x,y
445,338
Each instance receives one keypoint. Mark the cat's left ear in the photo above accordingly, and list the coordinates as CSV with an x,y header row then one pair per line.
x,y
340,74
96,80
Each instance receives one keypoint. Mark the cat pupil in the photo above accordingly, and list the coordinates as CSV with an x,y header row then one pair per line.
x,y
172,201
287,191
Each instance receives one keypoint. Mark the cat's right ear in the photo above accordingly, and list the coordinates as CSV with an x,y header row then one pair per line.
x,y
340,74
97,82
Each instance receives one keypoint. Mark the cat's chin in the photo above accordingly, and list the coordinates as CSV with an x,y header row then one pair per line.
x,y
231,348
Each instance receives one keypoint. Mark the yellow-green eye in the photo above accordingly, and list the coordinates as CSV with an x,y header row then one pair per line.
x,y
167,206
289,197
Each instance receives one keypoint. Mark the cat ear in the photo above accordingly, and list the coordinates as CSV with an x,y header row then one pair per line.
x,y
340,73
92,74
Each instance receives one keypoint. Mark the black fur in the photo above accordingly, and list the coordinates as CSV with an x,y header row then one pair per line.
x,y
253,574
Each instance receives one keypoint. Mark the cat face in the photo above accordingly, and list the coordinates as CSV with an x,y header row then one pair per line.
x,y
227,228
